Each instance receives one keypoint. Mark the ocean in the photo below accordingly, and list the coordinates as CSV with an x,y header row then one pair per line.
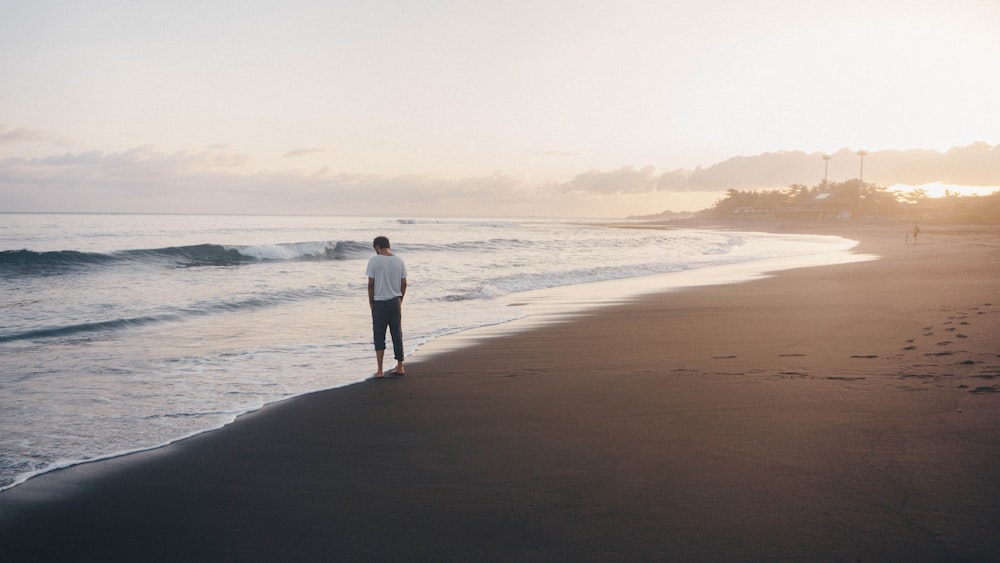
x,y
120,333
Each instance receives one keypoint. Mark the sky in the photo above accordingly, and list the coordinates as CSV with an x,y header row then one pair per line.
x,y
516,108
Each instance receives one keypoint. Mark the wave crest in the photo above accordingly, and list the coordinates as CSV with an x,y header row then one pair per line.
x,y
60,261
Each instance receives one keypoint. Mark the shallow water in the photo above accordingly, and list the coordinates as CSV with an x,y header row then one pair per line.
x,y
125,332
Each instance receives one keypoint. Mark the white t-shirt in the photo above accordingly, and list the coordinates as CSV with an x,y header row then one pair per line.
x,y
387,271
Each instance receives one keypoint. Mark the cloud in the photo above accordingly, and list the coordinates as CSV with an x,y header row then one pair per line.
x,y
977,164
766,170
10,135
295,153
624,180
414,194
146,179
673,180
139,179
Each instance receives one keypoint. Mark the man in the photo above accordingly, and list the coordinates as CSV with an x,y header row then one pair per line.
x,y
386,288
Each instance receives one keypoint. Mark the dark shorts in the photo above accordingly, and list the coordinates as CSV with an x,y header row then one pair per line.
x,y
388,314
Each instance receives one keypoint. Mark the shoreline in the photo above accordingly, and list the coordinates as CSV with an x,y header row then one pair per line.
x,y
563,303
544,306
778,418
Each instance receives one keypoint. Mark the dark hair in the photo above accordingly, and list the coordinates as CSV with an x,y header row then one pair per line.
x,y
382,242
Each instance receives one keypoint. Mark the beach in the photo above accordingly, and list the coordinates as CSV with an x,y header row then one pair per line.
x,y
836,413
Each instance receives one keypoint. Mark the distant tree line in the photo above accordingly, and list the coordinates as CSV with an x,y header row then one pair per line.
x,y
853,200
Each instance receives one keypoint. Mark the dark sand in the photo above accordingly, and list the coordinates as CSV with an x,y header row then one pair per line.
x,y
837,413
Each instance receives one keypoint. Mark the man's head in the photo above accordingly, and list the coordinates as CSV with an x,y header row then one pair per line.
x,y
381,242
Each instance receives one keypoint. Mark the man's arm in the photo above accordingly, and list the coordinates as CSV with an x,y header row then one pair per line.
x,y
402,289
371,293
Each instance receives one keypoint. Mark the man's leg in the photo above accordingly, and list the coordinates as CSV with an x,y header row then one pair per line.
x,y
379,324
396,331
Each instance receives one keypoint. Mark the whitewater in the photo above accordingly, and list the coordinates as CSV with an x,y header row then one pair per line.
x,y
120,333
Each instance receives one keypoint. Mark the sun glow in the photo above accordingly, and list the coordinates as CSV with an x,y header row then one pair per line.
x,y
939,189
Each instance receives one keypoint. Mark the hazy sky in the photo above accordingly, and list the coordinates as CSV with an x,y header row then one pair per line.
x,y
468,107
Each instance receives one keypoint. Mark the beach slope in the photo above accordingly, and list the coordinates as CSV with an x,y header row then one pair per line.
x,y
837,413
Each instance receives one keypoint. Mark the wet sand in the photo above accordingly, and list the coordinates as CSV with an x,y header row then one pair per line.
x,y
836,413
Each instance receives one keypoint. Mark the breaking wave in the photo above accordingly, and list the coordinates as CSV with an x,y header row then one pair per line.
x,y
52,262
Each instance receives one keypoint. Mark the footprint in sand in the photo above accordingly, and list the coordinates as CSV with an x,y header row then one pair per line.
x,y
910,348
945,343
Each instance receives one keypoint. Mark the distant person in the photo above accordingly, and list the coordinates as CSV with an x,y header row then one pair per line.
x,y
916,231
386,288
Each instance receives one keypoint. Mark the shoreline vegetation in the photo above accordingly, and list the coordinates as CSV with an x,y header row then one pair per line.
x,y
831,413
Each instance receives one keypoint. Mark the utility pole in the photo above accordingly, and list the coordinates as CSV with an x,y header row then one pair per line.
x,y
861,178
